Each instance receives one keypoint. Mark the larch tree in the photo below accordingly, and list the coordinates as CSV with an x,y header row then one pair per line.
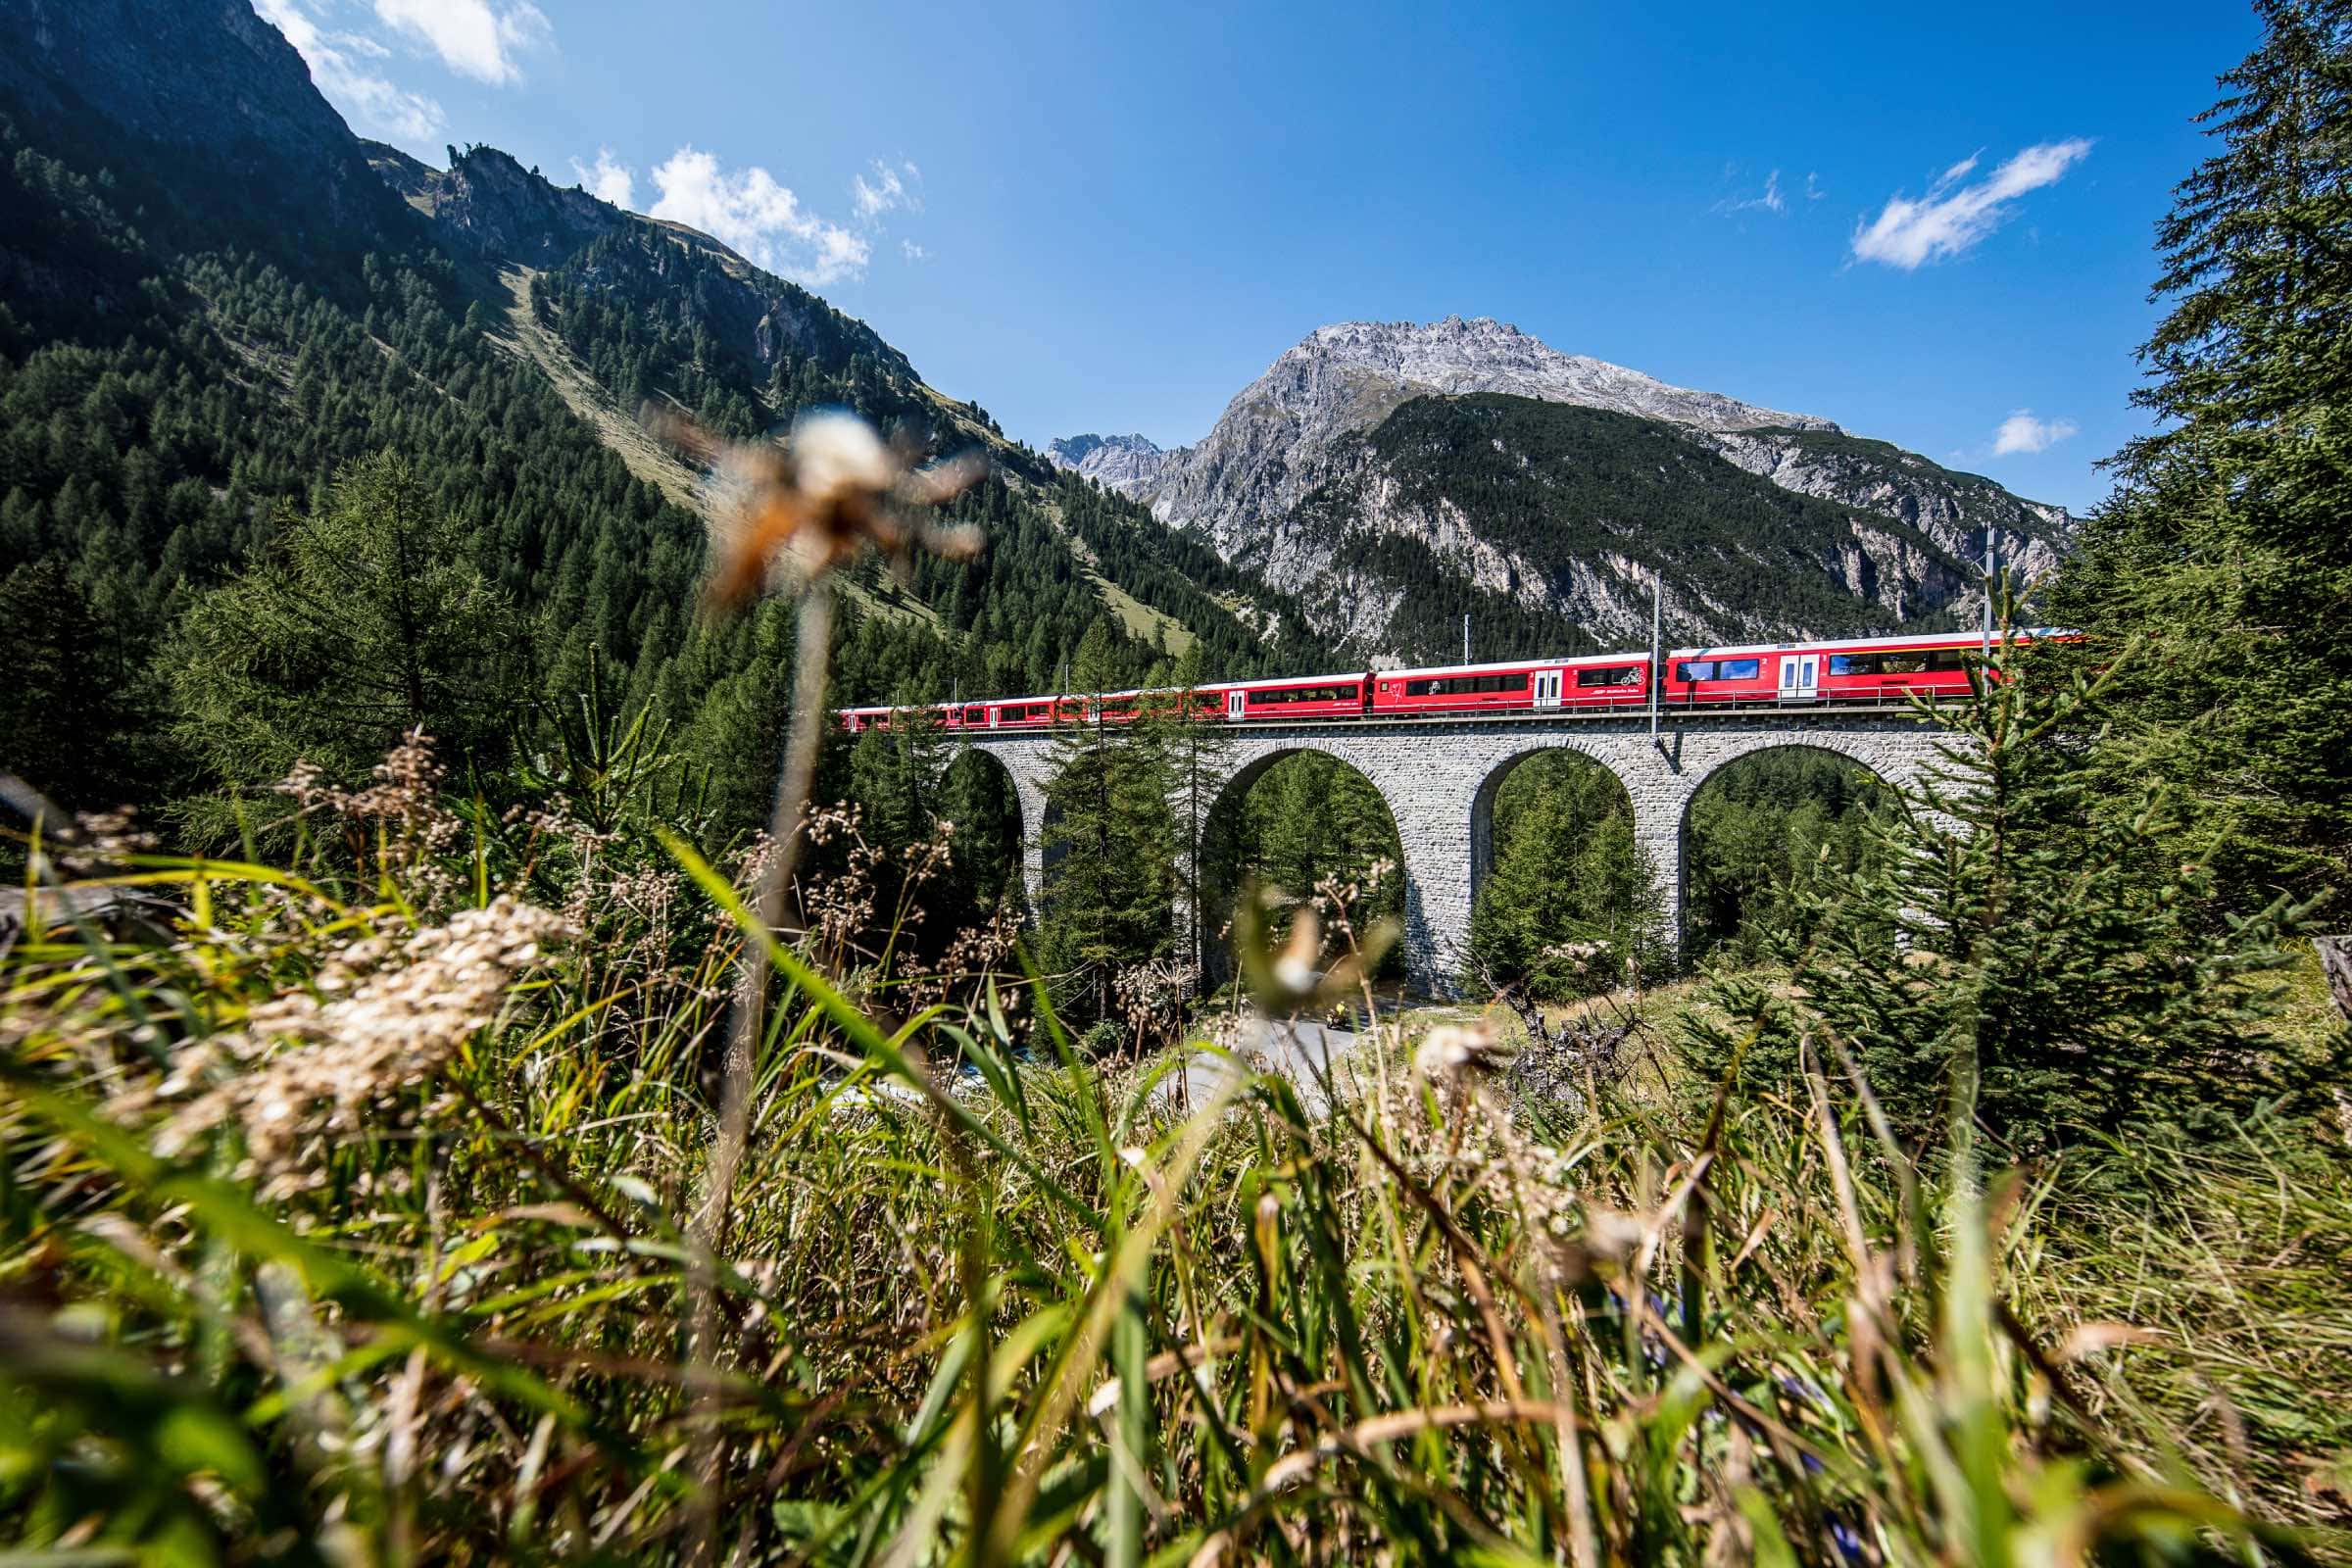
x,y
367,620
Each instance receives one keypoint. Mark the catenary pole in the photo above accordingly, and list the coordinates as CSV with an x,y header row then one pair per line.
x,y
1985,647
1657,668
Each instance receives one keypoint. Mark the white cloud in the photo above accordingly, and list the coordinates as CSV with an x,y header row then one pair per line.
x,y
1772,201
890,188
757,216
374,103
471,36
1813,190
2022,432
1952,217
913,252
608,180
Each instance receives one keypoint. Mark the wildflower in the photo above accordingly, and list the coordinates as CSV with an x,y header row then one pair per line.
x,y
834,485
404,801
1286,981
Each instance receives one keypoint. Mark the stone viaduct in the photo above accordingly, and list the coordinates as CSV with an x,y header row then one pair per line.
x,y
1438,777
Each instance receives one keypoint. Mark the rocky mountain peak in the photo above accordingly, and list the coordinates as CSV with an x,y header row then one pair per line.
x,y
491,203
1340,474
1482,355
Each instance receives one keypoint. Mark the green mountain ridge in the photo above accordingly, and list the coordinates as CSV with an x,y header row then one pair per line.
x,y
173,373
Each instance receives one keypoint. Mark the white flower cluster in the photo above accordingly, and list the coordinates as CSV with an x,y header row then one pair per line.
x,y
384,1014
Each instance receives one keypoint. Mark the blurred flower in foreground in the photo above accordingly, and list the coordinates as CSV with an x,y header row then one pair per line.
x,y
810,503
1450,1050
1286,981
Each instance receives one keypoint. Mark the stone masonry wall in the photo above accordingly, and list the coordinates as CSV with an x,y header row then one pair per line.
x,y
1438,777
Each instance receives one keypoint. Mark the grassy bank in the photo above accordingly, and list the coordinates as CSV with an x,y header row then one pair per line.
x,y
355,1222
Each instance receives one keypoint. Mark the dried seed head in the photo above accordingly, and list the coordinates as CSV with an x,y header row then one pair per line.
x,y
833,487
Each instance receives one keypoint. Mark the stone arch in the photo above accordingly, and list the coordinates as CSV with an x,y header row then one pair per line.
x,y
1482,800
1023,757
1896,771
1219,814
1024,825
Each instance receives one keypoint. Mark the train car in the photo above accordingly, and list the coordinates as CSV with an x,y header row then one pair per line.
x,y
856,720
1854,670
1595,680
1299,697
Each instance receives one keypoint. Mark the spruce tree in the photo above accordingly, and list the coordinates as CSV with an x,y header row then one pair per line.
x,y
1110,873
1185,736
1571,899
2218,581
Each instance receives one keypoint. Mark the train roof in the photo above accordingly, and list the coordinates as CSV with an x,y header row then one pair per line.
x,y
1512,663
1933,639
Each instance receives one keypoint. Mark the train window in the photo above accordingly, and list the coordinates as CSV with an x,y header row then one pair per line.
x,y
1307,694
1737,668
1950,660
1613,675
1465,685
1696,669
975,716
1884,663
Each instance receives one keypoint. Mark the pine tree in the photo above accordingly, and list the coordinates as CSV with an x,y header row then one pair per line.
x,y
1188,744
2218,581
70,719
366,621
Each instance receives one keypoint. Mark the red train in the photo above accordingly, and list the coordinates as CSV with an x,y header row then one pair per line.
x,y
1864,672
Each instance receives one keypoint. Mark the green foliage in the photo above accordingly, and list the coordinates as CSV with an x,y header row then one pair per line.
x,y
2218,581
1759,831
149,441
74,691
1572,900
1046,1313
2002,949
367,620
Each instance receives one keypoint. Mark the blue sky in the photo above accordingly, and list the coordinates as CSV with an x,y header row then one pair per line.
x,y
1112,218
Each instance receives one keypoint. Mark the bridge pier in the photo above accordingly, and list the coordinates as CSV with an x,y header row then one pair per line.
x,y
1440,776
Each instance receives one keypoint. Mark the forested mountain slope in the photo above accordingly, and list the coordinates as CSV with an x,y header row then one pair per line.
x,y
206,313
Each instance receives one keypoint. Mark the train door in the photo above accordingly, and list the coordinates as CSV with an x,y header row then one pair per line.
x,y
1548,688
1800,677
1233,705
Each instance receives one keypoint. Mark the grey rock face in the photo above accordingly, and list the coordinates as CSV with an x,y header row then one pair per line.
x,y
489,202
1126,465
1267,452
1951,508
212,80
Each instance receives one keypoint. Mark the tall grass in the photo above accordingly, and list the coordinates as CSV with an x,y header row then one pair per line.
x,y
357,1224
